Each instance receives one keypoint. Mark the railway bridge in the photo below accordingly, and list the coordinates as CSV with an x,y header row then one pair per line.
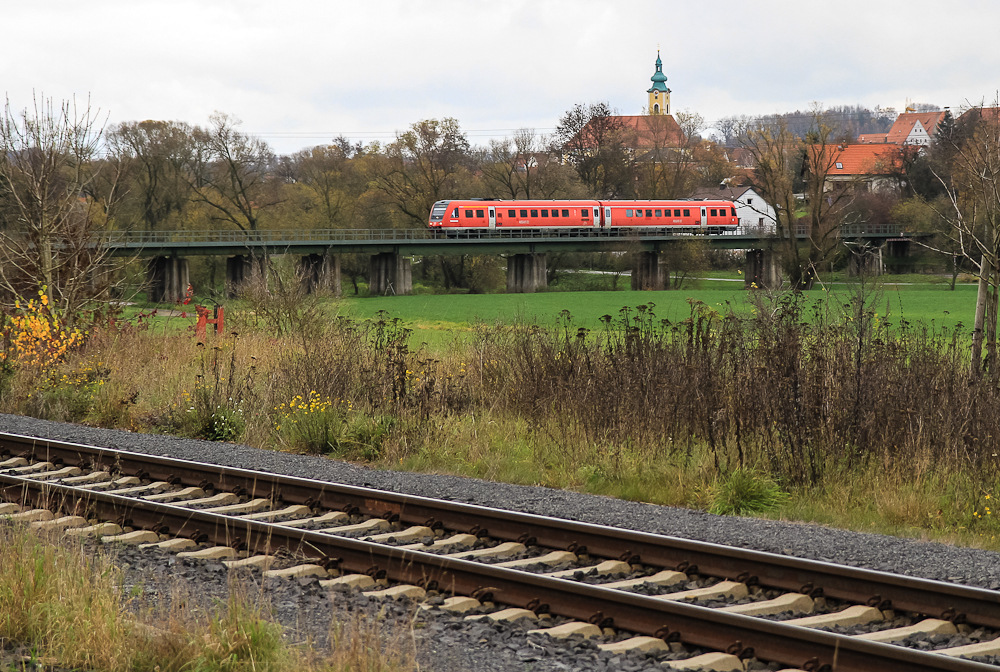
x,y
389,252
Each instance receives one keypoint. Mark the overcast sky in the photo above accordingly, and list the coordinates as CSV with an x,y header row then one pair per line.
x,y
300,72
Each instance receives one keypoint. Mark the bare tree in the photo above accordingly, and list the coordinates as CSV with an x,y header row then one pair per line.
x,y
781,160
228,172
973,219
596,141
47,221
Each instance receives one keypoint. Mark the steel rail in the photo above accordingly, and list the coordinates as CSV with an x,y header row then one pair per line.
x,y
744,636
977,606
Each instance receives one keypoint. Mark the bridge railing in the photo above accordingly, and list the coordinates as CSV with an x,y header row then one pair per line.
x,y
279,237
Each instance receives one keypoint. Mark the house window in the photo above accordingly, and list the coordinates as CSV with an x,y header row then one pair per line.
x,y
840,166
749,201
760,221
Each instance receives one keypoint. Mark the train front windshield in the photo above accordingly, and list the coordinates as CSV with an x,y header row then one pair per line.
x,y
437,212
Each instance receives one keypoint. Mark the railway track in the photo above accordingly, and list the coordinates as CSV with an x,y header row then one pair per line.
x,y
631,588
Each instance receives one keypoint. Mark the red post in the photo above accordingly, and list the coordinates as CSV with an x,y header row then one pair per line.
x,y
201,325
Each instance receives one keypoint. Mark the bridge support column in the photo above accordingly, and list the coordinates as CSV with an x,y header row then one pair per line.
x,y
320,273
389,273
240,270
897,256
762,270
865,261
526,273
647,272
168,279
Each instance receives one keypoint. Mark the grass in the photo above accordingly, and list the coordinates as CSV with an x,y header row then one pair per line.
x,y
435,318
70,609
642,416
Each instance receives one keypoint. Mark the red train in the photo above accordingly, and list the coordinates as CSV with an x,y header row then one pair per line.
x,y
681,216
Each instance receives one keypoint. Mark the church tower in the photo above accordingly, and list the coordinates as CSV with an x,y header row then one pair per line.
x,y
659,94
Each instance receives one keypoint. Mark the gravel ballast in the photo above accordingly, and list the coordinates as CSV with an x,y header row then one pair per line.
x,y
446,643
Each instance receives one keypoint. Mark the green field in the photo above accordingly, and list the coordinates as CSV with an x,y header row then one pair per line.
x,y
435,318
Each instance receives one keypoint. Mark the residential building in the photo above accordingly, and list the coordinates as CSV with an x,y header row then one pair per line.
x,y
754,213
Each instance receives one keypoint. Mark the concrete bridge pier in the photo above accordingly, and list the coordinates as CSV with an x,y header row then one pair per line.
x,y
897,257
526,273
647,272
865,261
762,270
240,270
389,273
320,273
168,279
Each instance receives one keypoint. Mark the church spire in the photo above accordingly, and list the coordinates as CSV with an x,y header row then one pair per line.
x,y
659,94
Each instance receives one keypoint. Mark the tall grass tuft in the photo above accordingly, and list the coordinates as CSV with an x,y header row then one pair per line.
x,y
745,491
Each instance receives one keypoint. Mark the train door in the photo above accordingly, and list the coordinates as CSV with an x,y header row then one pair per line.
x,y
607,216
704,218
493,217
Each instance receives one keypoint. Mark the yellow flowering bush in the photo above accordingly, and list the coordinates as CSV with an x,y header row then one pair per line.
x,y
316,424
35,336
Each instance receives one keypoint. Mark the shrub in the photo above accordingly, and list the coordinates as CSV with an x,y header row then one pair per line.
x,y
745,491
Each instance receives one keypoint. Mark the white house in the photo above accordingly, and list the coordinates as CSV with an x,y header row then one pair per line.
x,y
755,214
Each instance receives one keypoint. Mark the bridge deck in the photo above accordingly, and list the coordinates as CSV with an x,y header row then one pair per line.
x,y
424,242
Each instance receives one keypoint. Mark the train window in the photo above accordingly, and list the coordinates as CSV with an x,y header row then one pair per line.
x,y
468,213
659,213
712,213
687,213
479,213
732,212
649,213
585,212
628,213
512,213
545,213
565,213
555,213
524,213
454,213
534,213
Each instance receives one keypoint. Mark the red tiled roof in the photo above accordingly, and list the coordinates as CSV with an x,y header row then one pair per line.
x,y
856,160
905,122
647,131
873,138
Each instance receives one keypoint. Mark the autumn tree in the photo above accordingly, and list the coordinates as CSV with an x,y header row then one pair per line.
x,y
526,166
785,163
154,156
329,174
47,223
595,141
229,173
425,164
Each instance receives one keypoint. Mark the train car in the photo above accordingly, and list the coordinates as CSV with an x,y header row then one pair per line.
x,y
476,214
682,216
692,216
